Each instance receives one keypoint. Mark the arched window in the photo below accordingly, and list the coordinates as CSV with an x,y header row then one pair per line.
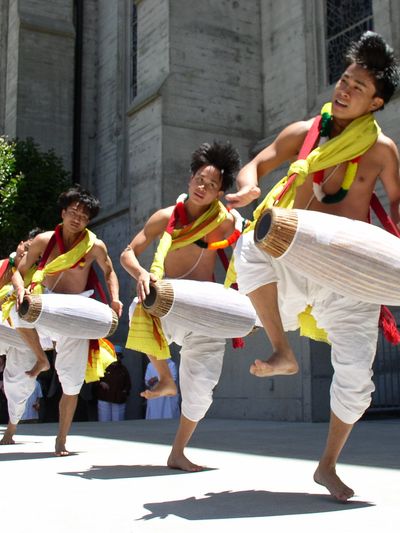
x,y
345,21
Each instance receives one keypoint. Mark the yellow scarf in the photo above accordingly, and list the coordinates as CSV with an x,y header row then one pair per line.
x,y
64,261
4,291
145,331
355,140
59,264
7,293
101,359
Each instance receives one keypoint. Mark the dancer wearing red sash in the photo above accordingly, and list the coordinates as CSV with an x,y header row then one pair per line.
x,y
65,257
338,177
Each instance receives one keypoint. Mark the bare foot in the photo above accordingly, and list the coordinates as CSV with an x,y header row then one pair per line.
x,y
163,388
279,364
9,434
180,462
7,439
41,365
329,479
61,450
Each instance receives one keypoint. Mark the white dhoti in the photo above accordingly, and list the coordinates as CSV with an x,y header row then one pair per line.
x,y
351,325
200,366
18,386
71,358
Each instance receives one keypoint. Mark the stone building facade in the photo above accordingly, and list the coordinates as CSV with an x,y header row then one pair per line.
x,y
125,90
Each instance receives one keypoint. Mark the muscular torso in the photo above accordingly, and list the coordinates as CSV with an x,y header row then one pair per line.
x,y
356,203
72,281
178,263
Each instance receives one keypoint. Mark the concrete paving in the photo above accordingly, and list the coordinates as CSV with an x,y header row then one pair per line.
x,y
259,478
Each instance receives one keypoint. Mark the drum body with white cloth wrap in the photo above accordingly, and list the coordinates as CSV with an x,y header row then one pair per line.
x,y
350,257
203,307
70,315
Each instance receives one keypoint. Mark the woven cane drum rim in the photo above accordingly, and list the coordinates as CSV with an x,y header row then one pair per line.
x,y
114,324
275,230
159,301
30,308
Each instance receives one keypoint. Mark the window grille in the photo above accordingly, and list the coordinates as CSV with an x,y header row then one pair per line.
x,y
345,21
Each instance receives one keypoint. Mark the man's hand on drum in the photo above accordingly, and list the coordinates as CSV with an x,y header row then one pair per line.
x,y
143,284
117,305
244,196
20,293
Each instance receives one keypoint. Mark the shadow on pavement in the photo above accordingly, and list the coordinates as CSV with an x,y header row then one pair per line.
x,y
21,456
248,504
126,471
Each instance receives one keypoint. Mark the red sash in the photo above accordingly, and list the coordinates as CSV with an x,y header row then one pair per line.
x,y
3,268
93,282
387,321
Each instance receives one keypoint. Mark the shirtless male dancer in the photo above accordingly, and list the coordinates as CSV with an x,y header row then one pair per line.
x,y
368,83
213,168
8,264
77,208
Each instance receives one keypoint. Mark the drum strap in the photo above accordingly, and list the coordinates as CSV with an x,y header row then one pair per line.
x,y
387,322
308,145
382,216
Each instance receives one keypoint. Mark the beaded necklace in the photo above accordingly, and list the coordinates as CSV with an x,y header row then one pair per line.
x,y
318,178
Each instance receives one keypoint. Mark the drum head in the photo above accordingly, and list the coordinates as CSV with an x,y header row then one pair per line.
x,y
160,299
150,298
263,226
30,308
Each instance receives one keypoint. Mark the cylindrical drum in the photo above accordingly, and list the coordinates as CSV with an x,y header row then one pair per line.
x,y
10,338
70,315
351,257
203,307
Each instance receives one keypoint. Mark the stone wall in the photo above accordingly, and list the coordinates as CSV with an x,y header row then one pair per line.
x,y
40,73
225,70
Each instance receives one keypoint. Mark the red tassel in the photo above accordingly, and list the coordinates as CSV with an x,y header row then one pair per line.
x,y
388,325
94,347
238,342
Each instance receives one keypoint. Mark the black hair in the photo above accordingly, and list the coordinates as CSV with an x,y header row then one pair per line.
x,y
221,156
78,194
32,234
373,54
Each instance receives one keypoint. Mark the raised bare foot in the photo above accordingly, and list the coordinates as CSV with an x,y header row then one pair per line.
x,y
61,450
279,364
329,479
41,365
180,462
162,388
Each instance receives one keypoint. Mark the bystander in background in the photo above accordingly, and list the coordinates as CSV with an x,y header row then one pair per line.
x,y
113,390
32,408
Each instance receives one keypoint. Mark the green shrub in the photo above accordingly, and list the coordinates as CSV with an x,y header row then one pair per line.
x,y
30,182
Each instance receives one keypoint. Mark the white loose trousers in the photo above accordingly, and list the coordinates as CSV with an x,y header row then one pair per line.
x,y
18,386
200,366
351,325
71,358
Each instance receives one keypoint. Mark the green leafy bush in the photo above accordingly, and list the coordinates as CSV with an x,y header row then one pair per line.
x,y
30,182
